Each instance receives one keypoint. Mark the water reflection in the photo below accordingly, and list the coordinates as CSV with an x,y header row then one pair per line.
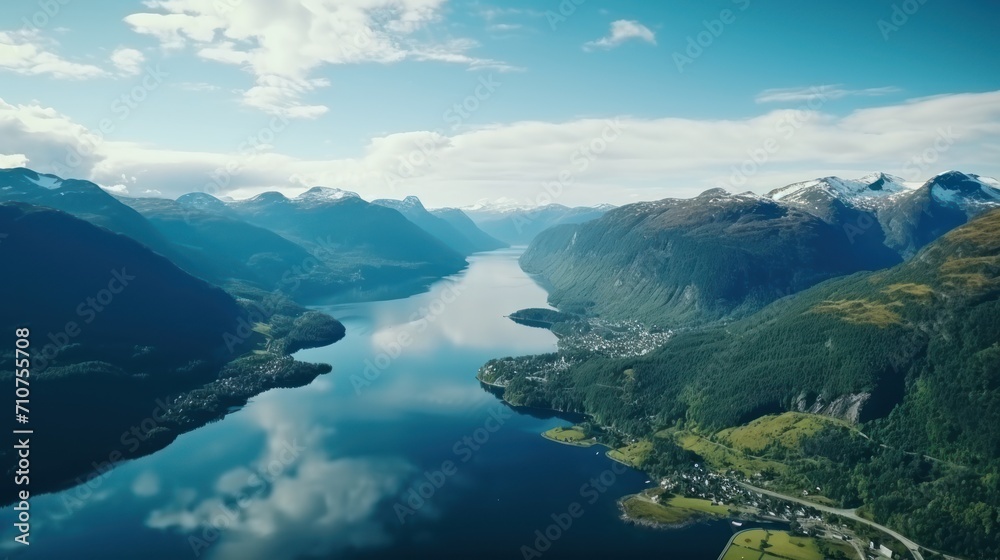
x,y
318,471
295,499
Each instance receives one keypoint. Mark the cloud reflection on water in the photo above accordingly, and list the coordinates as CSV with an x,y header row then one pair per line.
x,y
294,500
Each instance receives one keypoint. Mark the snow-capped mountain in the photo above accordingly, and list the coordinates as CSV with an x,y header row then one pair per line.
x,y
204,202
869,192
965,189
943,203
325,195
499,205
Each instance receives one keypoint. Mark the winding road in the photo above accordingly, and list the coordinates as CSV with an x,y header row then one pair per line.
x,y
913,547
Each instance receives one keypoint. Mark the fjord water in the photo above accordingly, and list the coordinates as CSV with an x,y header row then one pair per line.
x,y
326,470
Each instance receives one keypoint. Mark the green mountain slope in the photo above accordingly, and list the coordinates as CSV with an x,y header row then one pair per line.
x,y
118,335
675,262
911,353
369,247
240,251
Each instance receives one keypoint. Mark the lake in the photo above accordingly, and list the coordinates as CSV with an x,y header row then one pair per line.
x,y
398,453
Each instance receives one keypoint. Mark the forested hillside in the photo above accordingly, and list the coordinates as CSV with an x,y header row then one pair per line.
x,y
685,261
910,354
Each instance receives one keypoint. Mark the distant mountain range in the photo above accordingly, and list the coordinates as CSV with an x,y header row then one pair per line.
x,y
359,246
449,226
723,256
324,243
517,225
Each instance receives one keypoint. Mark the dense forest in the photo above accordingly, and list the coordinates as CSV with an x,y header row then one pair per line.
x,y
910,355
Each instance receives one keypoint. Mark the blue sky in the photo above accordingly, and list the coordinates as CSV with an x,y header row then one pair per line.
x,y
362,95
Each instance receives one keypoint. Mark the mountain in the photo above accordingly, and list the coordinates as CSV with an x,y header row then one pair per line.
x,y
463,241
205,202
822,197
464,225
112,321
90,202
675,262
909,355
323,243
82,199
882,209
518,226
367,246
941,204
241,251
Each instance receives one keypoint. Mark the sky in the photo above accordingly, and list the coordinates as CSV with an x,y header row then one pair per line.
x,y
576,102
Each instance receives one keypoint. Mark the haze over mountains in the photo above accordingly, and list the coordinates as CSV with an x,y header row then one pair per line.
x,y
517,225
323,243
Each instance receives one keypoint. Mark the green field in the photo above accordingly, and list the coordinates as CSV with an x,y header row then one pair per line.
x,y
786,429
674,511
633,454
761,544
741,553
722,458
569,436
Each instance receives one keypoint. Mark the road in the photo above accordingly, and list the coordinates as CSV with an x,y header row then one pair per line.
x,y
913,547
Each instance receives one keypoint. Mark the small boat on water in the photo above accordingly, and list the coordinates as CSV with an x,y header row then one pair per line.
x,y
737,523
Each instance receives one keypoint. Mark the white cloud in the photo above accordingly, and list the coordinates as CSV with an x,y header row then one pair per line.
x,y
503,27
828,91
147,484
282,43
622,30
13,160
491,13
650,159
26,52
197,86
128,61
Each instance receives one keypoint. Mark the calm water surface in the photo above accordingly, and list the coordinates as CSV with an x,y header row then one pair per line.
x,y
399,453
